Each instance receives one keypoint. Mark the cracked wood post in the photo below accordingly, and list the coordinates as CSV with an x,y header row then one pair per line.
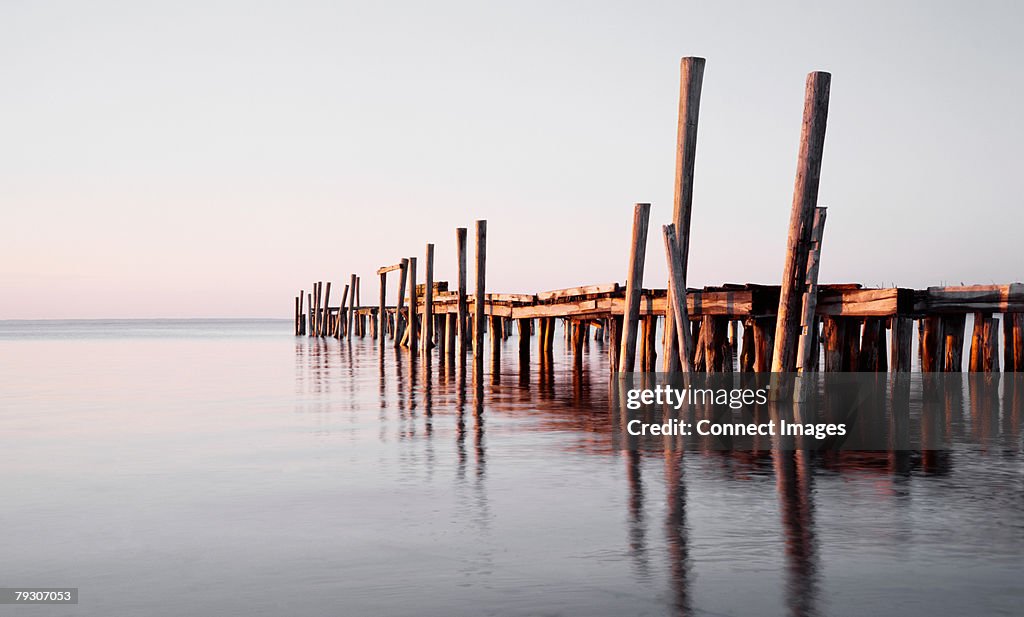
x,y
403,274
677,303
805,200
478,311
462,310
428,302
634,284
691,77
806,349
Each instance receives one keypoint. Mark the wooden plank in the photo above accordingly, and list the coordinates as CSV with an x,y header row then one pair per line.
x,y
857,302
391,268
576,292
972,298
805,199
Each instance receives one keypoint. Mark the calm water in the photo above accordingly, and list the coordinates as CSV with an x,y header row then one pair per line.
x,y
228,468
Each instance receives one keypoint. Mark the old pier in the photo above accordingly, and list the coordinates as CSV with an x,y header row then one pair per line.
x,y
797,326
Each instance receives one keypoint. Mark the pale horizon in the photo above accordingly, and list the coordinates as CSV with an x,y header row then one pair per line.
x,y
211,160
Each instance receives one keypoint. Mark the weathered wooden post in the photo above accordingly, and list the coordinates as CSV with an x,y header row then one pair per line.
x,y
478,313
677,304
428,302
382,309
316,310
342,324
356,303
806,345
309,321
451,328
462,310
805,199
413,325
403,274
298,312
352,307
327,305
634,284
902,340
691,78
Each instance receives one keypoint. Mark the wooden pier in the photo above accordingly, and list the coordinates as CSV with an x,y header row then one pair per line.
x,y
799,325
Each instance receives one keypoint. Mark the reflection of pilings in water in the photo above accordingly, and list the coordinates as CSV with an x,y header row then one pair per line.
x,y
478,433
637,524
676,531
428,411
793,480
460,425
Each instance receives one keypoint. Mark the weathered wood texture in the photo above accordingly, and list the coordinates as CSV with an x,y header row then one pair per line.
x,y
634,281
691,78
805,199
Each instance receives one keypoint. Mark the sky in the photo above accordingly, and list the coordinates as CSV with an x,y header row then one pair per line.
x,y
211,159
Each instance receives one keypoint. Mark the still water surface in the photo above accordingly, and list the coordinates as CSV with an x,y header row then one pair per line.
x,y
224,467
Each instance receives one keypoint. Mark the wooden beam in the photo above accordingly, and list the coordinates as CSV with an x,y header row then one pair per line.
x,y
805,199
391,268
575,292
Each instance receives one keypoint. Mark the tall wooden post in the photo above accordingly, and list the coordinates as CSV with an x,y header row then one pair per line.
x,y
352,306
677,304
403,274
382,314
298,312
691,78
428,302
327,304
462,310
356,303
478,311
806,350
414,327
634,283
311,325
805,199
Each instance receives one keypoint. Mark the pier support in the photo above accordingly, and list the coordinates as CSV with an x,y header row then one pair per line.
x,y
634,283
805,199
428,302
403,274
691,78
478,310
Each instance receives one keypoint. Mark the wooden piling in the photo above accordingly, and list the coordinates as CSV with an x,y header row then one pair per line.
x,y
806,349
310,323
478,312
805,199
451,328
352,310
382,309
677,305
462,309
953,330
298,313
634,283
342,311
413,327
327,304
428,302
902,342
403,274
1013,342
932,345
691,77
356,303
